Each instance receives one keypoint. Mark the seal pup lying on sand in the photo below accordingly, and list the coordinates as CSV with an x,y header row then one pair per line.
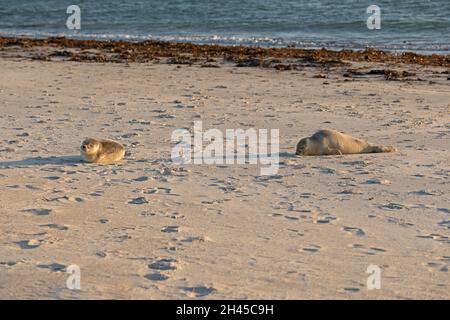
x,y
101,151
331,142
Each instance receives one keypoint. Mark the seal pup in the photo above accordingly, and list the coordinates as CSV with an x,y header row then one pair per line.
x,y
331,142
101,151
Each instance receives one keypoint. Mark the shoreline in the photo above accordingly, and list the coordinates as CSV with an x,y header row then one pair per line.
x,y
116,51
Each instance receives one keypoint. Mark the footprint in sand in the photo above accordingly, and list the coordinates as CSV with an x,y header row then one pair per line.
x,y
444,223
373,251
351,289
275,215
355,191
368,251
436,266
29,244
164,264
392,206
199,291
38,212
383,182
354,231
436,237
323,219
141,179
170,229
425,192
156,277
8,263
191,239
54,267
55,226
138,201
311,249
101,254
64,199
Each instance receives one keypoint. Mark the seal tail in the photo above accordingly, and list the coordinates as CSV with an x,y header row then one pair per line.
x,y
379,149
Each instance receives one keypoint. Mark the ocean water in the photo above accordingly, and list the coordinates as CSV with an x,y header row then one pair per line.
x,y
406,25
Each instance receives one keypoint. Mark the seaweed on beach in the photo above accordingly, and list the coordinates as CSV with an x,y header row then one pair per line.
x,y
389,74
189,53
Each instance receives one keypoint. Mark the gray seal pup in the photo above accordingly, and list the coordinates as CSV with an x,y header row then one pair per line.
x,y
331,142
101,151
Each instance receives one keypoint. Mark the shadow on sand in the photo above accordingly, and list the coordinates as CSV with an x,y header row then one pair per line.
x,y
75,160
287,155
39,161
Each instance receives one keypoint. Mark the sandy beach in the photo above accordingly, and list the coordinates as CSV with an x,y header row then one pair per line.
x,y
147,228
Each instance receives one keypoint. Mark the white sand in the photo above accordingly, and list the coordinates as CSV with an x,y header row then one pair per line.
x,y
224,231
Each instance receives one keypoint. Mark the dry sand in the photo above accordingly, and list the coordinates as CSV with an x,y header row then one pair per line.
x,y
149,229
